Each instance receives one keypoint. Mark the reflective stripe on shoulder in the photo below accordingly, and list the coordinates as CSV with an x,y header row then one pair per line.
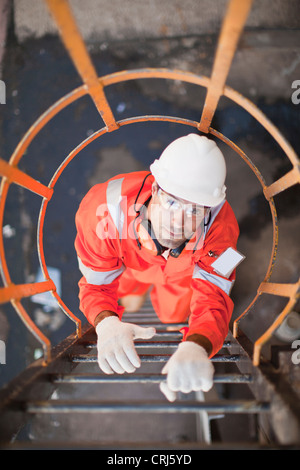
x,y
224,284
99,278
113,199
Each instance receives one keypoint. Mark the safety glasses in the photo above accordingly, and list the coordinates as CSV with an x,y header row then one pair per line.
x,y
168,202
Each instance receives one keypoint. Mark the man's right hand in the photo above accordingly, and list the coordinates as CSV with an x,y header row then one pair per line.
x,y
115,345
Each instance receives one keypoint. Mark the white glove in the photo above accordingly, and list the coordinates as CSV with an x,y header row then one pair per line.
x,y
115,346
188,369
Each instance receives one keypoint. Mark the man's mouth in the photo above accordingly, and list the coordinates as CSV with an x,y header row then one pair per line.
x,y
176,234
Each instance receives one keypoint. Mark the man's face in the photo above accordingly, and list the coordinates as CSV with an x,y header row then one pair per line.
x,y
173,220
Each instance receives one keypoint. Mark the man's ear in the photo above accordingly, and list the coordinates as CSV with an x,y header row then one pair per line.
x,y
154,188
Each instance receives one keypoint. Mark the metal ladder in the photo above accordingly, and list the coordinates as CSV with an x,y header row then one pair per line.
x,y
69,403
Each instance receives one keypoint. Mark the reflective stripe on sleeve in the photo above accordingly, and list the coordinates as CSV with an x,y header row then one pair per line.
x,y
224,284
99,278
213,214
114,198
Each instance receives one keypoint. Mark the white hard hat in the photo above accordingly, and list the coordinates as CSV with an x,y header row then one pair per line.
x,y
192,168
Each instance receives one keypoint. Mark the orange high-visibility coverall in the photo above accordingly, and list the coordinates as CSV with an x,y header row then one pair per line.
x,y
113,265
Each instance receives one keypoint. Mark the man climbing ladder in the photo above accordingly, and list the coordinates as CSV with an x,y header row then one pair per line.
x,y
169,232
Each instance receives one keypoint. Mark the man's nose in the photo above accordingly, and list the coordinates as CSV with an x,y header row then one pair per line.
x,y
177,218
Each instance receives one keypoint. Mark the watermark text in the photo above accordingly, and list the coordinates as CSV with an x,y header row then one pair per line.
x,y
296,94
296,354
2,352
2,92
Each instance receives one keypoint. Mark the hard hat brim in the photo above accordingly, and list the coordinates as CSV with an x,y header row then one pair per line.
x,y
181,192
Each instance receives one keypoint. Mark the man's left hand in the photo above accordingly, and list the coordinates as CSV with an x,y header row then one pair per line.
x,y
188,369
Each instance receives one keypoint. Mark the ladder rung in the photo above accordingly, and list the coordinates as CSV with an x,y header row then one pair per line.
x,y
145,312
143,357
160,358
159,447
146,344
62,406
139,378
162,326
91,341
149,344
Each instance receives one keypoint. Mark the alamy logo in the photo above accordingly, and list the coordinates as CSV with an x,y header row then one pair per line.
x,y
2,92
296,94
2,352
296,354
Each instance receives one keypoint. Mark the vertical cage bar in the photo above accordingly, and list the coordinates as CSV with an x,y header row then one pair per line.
x,y
77,50
232,28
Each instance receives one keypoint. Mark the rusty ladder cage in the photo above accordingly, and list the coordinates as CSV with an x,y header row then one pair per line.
x,y
27,396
